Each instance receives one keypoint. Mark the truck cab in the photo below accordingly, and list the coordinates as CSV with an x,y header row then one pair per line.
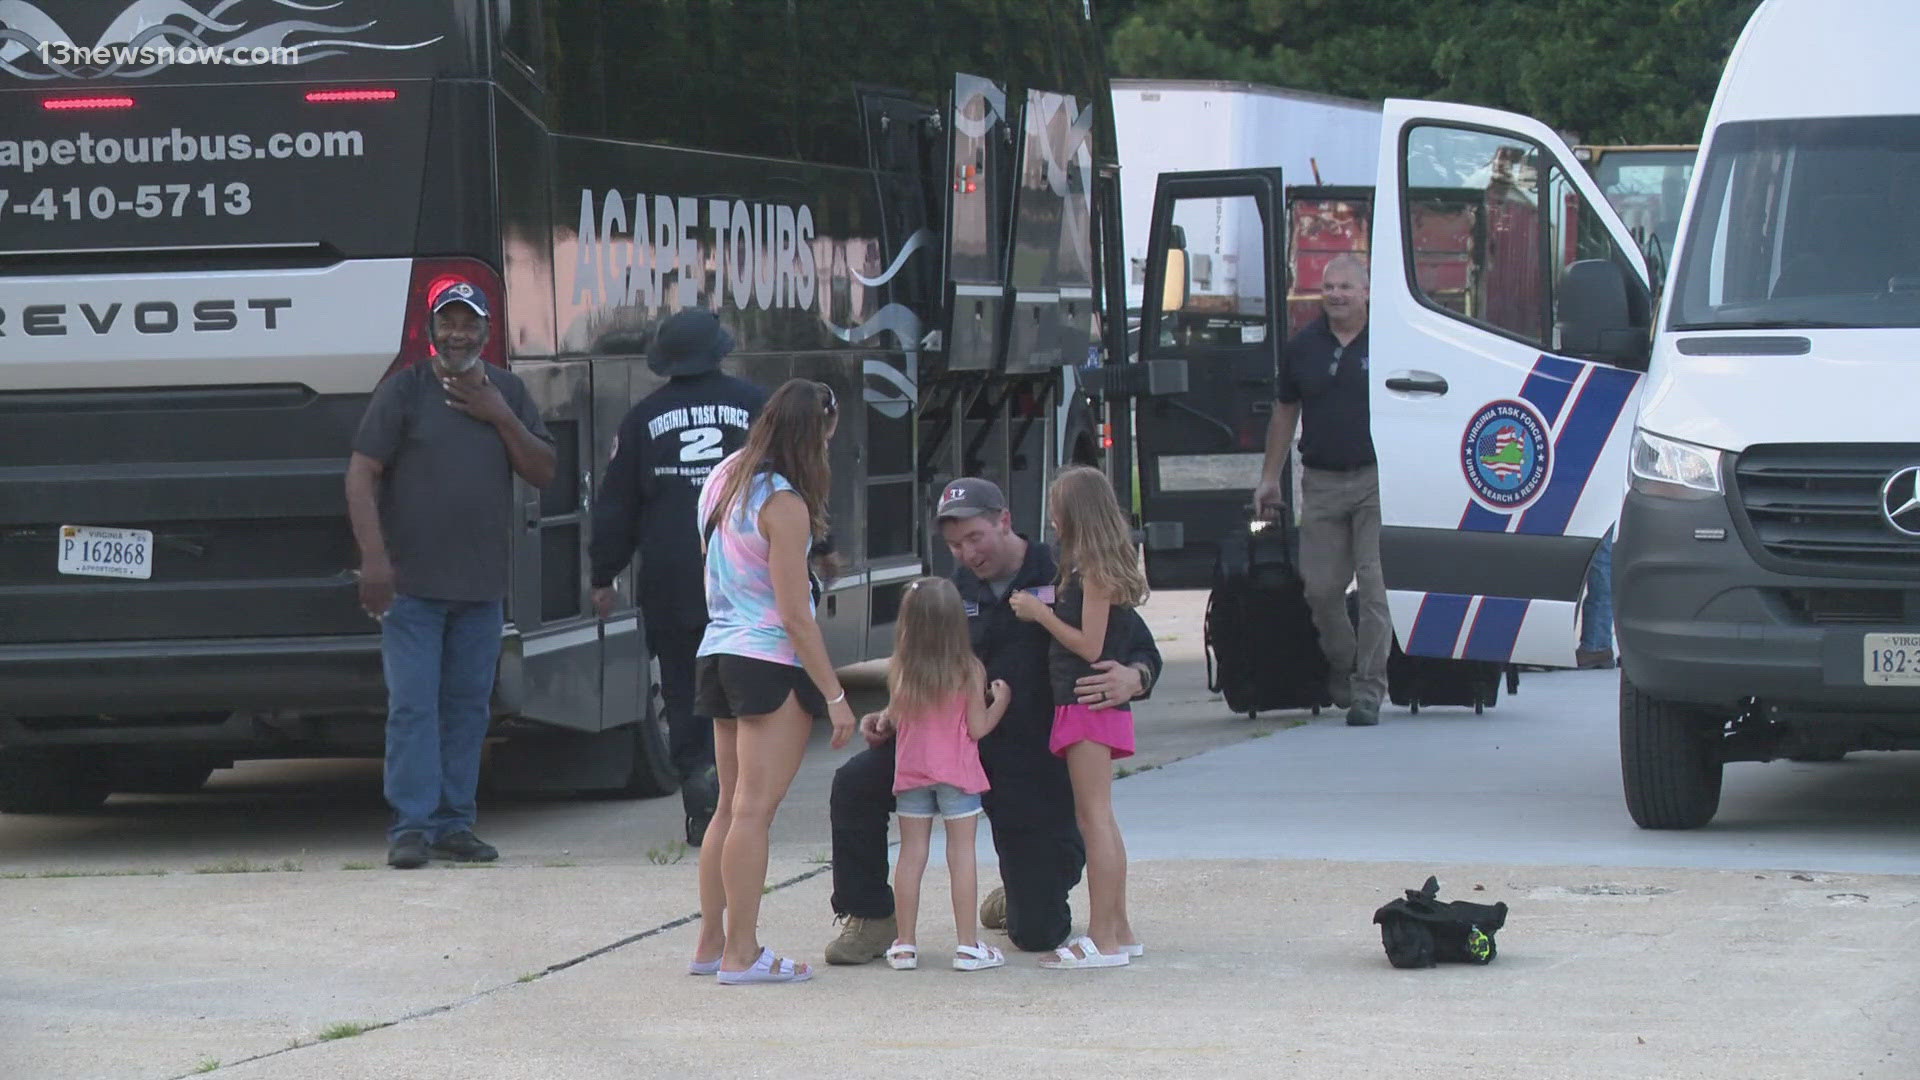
x,y
1767,570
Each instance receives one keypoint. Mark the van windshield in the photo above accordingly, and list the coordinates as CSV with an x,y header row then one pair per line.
x,y
1803,224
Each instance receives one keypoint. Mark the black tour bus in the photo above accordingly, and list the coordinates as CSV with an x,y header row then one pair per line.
x,y
206,268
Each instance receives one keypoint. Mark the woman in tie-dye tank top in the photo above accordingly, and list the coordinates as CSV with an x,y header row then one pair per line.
x,y
763,672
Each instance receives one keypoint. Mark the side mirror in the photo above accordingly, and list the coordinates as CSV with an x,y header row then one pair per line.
x,y
1595,319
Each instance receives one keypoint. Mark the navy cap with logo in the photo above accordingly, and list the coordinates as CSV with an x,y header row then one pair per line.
x,y
460,292
970,496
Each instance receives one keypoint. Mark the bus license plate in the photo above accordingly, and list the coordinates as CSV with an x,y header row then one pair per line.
x,y
1892,660
89,551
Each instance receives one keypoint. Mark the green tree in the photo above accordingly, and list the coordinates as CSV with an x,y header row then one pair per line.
x,y
1607,70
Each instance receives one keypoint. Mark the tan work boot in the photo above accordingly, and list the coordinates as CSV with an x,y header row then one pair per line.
x,y
862,940
993,910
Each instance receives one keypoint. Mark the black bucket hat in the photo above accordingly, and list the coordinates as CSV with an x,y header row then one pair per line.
x,y
691,342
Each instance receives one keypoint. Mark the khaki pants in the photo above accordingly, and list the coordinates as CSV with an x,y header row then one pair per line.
x,y
1340,544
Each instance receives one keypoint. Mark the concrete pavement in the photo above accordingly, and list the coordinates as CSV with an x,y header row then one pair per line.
x,y
1255,968
1778,943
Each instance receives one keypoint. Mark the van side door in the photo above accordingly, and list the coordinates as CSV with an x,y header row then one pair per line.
x,y
1510,326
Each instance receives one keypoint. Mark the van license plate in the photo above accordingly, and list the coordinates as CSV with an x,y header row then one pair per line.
x,y
89,551
1893,660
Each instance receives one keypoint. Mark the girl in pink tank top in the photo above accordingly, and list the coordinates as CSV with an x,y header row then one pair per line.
x,y
940,708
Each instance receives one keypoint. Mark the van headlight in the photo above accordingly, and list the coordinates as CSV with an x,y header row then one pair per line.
x,y
1672,468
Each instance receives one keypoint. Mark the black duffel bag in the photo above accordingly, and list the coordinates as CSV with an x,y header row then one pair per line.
x,y
1420,931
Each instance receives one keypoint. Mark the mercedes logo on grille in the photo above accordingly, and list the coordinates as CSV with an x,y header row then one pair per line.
x,y
1900,500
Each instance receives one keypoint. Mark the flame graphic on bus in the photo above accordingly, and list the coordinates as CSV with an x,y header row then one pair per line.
x,y
25,28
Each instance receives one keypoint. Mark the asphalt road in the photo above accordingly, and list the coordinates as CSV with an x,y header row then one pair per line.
x,y
1534,780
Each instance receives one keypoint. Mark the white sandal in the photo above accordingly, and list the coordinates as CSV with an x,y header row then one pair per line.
x,y
903,957
977,957
1065,959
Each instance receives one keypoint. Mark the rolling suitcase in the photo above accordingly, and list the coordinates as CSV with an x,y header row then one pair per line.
x,y
1414,681
1263,654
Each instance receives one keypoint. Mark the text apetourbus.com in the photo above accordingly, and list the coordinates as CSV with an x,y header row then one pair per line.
x,y
177,146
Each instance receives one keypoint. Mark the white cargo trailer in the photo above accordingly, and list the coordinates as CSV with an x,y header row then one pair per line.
x,y
1182,125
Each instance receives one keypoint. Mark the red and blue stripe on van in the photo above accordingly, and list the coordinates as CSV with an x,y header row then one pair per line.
x,y
1599,395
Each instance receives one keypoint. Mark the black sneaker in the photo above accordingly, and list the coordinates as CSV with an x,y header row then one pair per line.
x,y
700,796
1363,714
463,846
697,828
408,851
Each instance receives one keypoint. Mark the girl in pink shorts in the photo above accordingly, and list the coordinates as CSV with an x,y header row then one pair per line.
x,y
1099,571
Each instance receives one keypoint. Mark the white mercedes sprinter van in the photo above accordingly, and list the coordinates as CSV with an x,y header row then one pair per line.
x,y
1767,566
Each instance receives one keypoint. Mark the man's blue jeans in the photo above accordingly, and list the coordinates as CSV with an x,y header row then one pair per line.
x,y
1596,611
439,657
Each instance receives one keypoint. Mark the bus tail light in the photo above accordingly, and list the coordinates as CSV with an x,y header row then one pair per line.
x,y
1106,436
86,104
344,97
429,277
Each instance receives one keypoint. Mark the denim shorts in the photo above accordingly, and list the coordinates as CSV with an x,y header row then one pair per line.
x,y
936,800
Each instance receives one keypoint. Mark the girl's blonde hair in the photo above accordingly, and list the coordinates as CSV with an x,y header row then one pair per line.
x,y
932,651
1096,540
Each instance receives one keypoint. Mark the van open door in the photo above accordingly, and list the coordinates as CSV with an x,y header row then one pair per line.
x,y
1510,326
1213,314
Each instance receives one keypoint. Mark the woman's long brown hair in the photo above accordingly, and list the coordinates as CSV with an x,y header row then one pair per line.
x,y
789,438
932,651
1096,540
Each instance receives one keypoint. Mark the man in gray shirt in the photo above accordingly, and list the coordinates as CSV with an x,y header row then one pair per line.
x,y
430,495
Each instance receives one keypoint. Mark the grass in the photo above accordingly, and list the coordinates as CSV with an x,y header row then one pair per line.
x,y
1124,771
356,866
819,858
559,864
668,855
244,866
528,977
207,1065
20,875
345,1029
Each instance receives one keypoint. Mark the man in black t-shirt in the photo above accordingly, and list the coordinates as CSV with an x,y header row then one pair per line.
x,y
1323,386
430,496
667,445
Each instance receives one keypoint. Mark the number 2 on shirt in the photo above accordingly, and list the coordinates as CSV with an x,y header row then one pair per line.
x,y
700,444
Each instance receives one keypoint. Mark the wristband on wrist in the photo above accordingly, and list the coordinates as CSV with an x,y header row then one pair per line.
x,y
838,700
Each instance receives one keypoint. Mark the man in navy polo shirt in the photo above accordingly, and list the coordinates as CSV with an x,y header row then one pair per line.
x,y
1323,387
430,495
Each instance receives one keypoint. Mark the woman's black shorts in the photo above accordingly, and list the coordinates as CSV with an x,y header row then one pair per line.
x,y
727,687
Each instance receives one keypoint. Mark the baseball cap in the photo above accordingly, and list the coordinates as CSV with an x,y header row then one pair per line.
x,y
460,292
970,496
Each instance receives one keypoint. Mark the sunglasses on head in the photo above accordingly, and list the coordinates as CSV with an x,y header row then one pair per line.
x,y
828,399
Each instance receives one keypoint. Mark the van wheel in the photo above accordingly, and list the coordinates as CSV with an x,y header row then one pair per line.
x,y
1670,763
51,783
